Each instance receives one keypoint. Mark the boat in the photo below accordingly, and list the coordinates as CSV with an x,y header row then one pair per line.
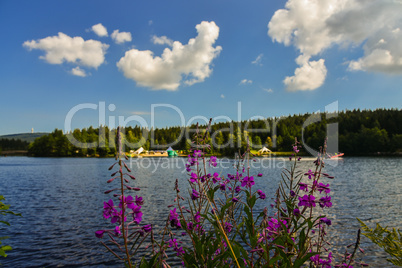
x,y
336,155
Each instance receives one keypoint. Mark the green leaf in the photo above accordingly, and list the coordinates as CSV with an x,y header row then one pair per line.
x,y
274,259
300,262
211,193
3,250
225,207
302,239
6,223
389,240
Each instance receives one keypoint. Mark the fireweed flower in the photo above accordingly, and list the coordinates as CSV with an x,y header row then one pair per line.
x,y
137,214
326,221
309,174
108,209
325,202
117,231
212,161
117,217
147,228
99,234
322,187
195,195
222,186
128,201
326,263
179,251
235,200
172,243
259,175
248,181
296,212
303,186
261,194
197,153
228,227
193,177
190,225
274,226
292,193
237,189
315,259
139,201
197,217
174,219
215,177
307,201
203,178
295,149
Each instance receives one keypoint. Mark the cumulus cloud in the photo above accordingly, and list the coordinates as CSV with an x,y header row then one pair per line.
x,y
78,72
76,50
245,82
100,30
190,62
309,76
314,26
120,37
257,61
162,40
269,90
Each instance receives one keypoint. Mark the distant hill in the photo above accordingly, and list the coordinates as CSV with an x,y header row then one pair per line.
x,y
29,137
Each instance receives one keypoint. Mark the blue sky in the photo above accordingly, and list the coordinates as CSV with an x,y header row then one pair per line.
x,y
202,57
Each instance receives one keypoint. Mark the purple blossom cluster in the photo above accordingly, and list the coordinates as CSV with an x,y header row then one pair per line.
x,y
116,216
211,223
324,262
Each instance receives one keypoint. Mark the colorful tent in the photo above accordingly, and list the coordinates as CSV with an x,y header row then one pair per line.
x,y
171,152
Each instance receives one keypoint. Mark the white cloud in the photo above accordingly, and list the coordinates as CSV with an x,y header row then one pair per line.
x,y
257,61
269,90
100,30
245,82
314,26
222,96
162,40
150,22
309,76
78,72
63,48
192,61
120,37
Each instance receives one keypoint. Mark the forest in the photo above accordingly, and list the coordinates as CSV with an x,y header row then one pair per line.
x,y
359,132
13,144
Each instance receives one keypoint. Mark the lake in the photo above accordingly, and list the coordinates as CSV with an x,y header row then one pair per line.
x,y
61,200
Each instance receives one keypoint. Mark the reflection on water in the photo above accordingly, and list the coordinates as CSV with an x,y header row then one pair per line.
x,y
61,201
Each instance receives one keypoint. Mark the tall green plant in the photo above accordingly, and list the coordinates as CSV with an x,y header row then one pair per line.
x,y
389,240
4,210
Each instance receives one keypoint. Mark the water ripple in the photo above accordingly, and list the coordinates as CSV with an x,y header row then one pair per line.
x,y
61,201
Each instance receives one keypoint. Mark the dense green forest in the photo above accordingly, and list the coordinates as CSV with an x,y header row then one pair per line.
x,y
13,144
360,132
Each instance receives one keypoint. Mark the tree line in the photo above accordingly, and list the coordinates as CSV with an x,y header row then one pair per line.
x,y
359,132
13,144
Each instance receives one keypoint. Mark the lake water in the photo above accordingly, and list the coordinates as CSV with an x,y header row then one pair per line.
x,y
61,200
